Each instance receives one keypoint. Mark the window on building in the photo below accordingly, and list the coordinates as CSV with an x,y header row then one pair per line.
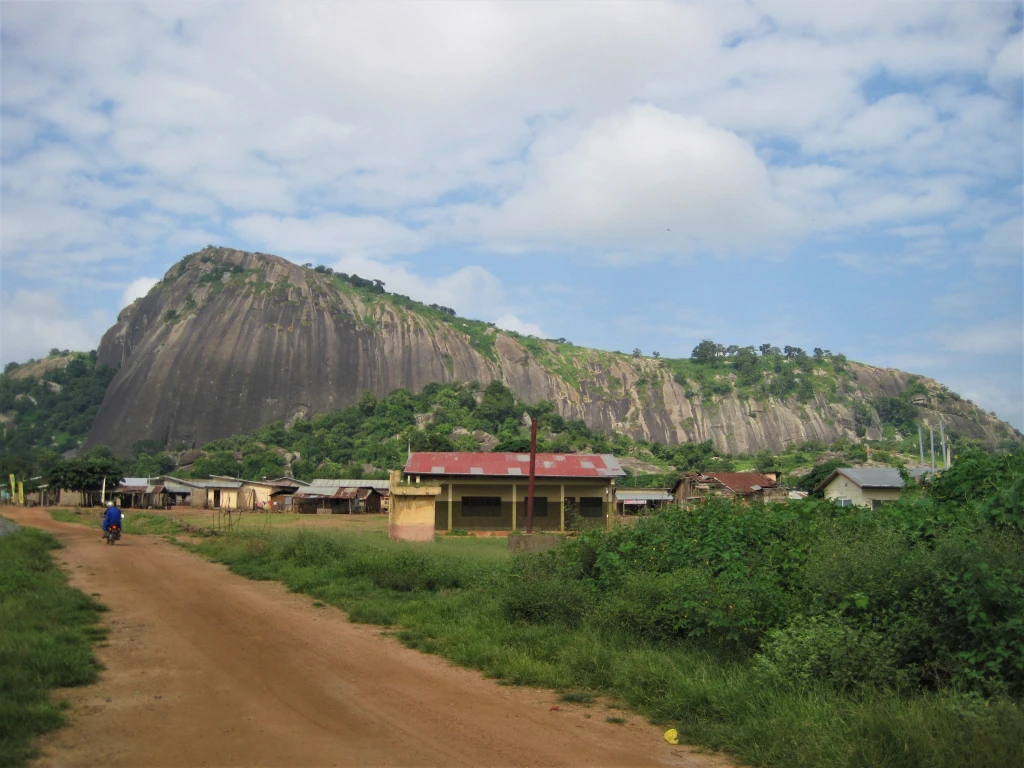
x,y
540,506
591,506
844,502
481,506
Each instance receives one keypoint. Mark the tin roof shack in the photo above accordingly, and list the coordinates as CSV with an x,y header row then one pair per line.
x,y
637,500
322,501
488,491
367,497
179,493
142,493
862,486
282,491
743,486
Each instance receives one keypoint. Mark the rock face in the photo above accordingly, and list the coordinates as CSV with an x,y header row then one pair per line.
x,y
229,341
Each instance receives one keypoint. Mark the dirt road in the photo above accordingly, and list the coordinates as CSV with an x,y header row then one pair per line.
x,y
205,668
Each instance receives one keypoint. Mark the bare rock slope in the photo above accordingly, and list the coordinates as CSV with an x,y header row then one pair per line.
x,y
229,341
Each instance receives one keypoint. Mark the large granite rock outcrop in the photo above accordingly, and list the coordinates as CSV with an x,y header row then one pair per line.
x,y
229,341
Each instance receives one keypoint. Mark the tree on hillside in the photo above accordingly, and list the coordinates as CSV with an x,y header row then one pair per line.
x,y
707,352
497,405
766,461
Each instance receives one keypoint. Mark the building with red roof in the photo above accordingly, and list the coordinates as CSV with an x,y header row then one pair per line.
x,y
488,491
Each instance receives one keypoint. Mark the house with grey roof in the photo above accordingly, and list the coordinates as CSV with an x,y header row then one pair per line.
x,y
862,486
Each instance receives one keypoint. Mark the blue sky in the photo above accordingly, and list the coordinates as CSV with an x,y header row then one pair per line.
x,y
838,174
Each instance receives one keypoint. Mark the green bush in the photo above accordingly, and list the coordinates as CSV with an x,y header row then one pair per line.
x,y
833,649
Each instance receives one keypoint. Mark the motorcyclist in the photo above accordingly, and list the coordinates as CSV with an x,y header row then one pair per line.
x,y
113,517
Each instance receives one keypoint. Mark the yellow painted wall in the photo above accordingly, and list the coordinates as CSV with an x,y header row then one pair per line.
x,y
228,498
513,495
844,488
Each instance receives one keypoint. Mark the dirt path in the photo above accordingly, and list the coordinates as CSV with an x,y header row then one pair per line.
x,y
205,668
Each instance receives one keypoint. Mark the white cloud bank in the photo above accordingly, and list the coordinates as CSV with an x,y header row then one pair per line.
x,y
34,322
646,179
137,289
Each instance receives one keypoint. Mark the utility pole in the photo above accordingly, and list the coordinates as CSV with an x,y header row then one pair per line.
x,y
533,474
945,459
920,443
932,430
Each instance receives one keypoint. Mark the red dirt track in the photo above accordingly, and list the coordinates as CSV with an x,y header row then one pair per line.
x,y
206,668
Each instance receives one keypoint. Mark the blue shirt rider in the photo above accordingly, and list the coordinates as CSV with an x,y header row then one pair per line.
x,y
113,516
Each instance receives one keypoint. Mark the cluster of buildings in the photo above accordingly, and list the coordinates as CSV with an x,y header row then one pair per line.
x,y
489,491
283,494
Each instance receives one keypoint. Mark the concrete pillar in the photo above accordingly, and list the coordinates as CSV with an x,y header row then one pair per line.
x,y
411,517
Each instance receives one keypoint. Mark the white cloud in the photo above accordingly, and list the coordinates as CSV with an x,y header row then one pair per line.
x,y
472,291
646,179
510,322
1008,65
34,322
137,289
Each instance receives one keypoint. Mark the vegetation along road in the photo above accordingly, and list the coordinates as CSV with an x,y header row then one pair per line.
x,y
204,667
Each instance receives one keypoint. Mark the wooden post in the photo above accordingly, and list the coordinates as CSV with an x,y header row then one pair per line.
x,y
450,484
513,507
561,506
533,472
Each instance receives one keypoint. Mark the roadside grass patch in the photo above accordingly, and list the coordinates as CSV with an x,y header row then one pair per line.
x,y
47,630
134,522
521,623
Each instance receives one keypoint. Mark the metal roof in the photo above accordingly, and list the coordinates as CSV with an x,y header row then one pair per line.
x,y
641,495
215,483
378,484
286,481
473,463
742,482
173,486
867,477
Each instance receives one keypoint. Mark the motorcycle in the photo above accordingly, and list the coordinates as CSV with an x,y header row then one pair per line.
x,y
113,533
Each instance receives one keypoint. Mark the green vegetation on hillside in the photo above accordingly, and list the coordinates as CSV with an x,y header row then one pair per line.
x,y
797,634
49,414
47,631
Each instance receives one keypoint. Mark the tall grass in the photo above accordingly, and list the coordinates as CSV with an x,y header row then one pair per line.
x,y
467,600
47,631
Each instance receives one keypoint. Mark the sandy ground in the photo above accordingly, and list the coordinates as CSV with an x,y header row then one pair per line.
x,y
205,668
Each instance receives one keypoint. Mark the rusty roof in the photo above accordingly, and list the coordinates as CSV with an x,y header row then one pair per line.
x,y
741,482
475,464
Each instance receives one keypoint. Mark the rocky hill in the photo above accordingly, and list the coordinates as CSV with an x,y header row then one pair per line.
x,y
229,341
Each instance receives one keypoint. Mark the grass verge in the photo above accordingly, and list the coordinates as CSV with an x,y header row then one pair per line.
x,y
452,598
134,522
47,630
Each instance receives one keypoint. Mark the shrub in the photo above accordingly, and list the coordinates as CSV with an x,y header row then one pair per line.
x,y
829,648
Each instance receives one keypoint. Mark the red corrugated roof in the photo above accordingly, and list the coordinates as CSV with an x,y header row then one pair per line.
x,y
741,482
513,464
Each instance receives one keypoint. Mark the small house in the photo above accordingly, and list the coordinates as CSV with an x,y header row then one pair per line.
x,y
141,493
283,491
862,486
488,491
328,496
741,486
